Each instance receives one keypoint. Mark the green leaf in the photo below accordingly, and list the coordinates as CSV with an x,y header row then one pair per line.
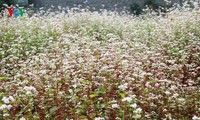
x,y
85,82
146,90
1,103
21,111
175,50
2,78
102,90
60,82
100,106
138,85
82,117
122,95
76,90
94,95
79,110
31,100
53,109
49,99
152,81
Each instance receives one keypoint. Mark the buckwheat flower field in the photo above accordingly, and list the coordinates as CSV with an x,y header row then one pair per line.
x,y
84,65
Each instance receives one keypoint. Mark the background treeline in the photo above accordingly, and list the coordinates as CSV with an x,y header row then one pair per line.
x,y
133,6
137,8
9,2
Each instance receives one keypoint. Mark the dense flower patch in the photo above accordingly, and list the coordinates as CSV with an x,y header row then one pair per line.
x,y
90,65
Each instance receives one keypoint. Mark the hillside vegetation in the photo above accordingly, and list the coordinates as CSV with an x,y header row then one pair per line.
x,y
84,65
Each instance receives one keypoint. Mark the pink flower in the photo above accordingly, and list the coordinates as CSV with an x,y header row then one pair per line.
x,y
9,107
5,100
2,107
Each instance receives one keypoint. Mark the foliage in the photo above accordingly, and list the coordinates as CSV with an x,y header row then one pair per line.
x,y
90,65
9,2
151,4
137,9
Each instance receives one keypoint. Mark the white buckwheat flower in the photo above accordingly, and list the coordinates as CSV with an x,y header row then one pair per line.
x,y
128,99
99,118
195,118
134,105
133,96
175,95
9,107
115,106
167,93
182,100
74,85
11,98
30,90
2,107
70,91
5,100
22,118
124,86
138,110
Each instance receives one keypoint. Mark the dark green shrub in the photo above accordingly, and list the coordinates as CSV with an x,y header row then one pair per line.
x,y
9,2
152,4
136,8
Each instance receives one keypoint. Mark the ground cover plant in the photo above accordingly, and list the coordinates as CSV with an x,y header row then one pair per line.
x,y
86,65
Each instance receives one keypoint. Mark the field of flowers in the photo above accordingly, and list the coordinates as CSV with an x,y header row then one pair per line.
x,y
84,65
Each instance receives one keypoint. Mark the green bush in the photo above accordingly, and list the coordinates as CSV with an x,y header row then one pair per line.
x,y
152,4
8,2
137,9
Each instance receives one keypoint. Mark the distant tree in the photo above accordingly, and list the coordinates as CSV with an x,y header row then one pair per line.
x,y
152,4
136,8
8,2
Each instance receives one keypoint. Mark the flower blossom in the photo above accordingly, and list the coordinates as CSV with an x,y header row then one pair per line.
x,y
99,118
22,118
124,86
30,90
128,99
115,106
5,100
11,98
195,118
133,96
138,110
4,106
175,95
167,93
133,105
